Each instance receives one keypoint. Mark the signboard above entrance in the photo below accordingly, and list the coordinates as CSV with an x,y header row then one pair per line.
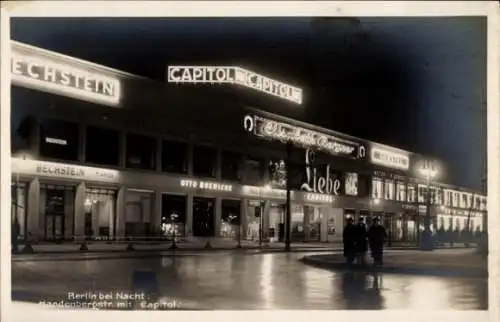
x,y
234,75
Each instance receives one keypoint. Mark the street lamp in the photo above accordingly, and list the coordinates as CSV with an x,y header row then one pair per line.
x,y
426,243
173,217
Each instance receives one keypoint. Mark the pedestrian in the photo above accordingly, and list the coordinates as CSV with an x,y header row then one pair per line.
x,y
361,242
349,241
376,237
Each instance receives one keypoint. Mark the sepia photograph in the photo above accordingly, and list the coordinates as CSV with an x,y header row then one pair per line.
x,y
184,163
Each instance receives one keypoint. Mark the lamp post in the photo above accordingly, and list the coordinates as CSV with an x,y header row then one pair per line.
x,y
173,217
426,242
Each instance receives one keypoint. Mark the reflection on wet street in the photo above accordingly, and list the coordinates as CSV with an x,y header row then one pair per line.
x,y
243,281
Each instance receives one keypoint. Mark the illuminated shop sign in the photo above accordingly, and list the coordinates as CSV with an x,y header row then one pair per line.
x,y
234,75
206,185
46,75
56,141
63,171
274,130
317,183
318,197
389,159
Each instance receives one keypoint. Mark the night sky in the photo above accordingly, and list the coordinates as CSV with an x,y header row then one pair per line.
x,y
414,83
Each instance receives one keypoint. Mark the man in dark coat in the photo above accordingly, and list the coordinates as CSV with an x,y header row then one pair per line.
x,y
349,239
361,241
376,237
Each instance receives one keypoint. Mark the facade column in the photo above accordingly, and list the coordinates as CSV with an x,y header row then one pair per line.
x,y
243,218
243,168
159,153
33,220
307,226
157,213
82,140
217,216
69,214
121,213
325,213
266,220
190,155
122,162
218,164
79,221
189,214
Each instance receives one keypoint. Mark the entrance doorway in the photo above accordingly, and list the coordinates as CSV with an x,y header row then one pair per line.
x,y
203,217
54,215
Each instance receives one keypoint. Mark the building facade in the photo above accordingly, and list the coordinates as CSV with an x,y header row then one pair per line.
x,y
102,154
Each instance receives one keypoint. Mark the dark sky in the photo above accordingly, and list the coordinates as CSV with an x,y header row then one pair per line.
x,y
414,83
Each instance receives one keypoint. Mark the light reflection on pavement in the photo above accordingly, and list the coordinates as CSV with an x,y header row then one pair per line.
x,y
245,282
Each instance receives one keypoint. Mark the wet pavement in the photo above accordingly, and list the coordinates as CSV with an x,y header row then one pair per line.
x,y
235,281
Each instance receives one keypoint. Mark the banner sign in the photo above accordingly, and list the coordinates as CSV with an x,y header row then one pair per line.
x,y
40,73
309,139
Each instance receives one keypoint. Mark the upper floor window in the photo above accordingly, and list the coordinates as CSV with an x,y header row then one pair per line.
x,y
174,156
204,161
412,193
230,165
140,151
477,204
389,189
449,198
102,146
59,139
484,203
400,191
455,200
377,188
422,193
255,168
463,200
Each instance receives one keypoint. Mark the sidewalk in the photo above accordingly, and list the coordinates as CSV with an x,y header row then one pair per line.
x,y
450,262
97,250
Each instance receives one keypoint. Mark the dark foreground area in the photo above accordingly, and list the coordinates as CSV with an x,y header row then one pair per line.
x,y
234,280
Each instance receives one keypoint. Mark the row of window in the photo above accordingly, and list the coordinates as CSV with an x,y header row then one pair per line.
x,y
399,191
61,140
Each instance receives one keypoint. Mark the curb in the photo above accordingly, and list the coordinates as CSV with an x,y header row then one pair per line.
x,y
442,272
124,254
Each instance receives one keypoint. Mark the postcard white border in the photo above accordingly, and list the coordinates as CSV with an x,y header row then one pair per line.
x,y
247,8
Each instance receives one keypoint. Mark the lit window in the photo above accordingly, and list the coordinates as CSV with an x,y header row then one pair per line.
x,y
389,189
400,191
377,188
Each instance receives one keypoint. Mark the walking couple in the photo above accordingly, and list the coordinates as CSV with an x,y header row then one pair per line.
x,y
357,238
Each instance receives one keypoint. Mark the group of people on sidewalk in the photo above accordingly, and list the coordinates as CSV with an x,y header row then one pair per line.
x,y
358,237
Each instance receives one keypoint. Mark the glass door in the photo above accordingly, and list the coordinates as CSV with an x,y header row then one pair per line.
x,y
54,215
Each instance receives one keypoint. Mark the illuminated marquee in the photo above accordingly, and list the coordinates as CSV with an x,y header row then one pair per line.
x,y
284,132
46,75
389,159
234,75
206,185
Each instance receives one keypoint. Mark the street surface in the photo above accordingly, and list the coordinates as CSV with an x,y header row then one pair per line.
x,y
232,280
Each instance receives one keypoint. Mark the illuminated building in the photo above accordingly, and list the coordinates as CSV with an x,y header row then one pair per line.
x,y
103,154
